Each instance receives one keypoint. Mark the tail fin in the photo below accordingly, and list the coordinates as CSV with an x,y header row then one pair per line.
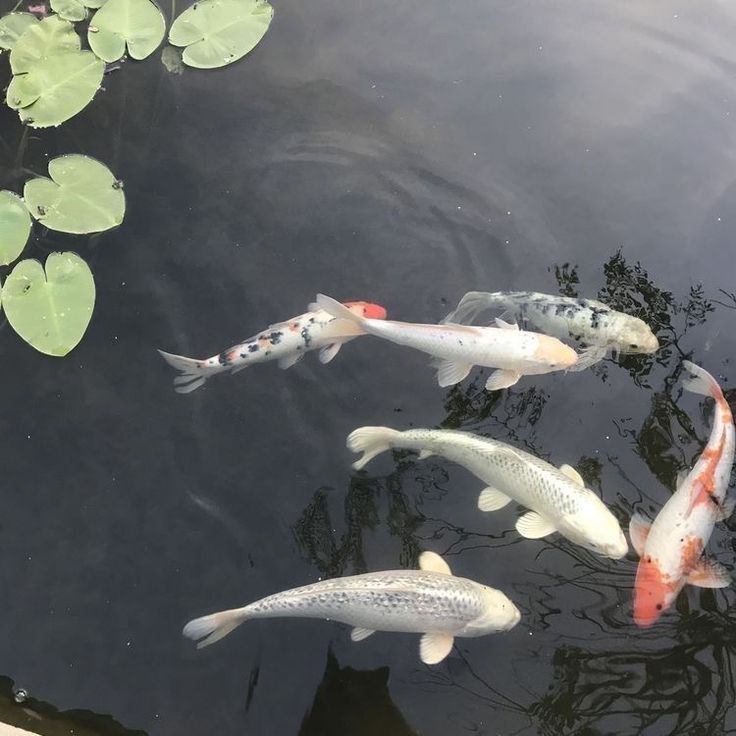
x,y
209,629
333,307
193,372
371,441
700,381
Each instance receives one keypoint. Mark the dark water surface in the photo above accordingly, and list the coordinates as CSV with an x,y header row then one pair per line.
x,y
402,153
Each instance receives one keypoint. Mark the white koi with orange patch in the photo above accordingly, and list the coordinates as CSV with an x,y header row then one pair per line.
x,y
286,342
457,348
671,548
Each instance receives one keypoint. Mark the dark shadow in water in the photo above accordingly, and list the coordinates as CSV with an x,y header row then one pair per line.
x,y
355,703
46,720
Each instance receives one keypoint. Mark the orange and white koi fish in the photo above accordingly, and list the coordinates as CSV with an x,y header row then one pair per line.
x,y
671,548
457,348
285,342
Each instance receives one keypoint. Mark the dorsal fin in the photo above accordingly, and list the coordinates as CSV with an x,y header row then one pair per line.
x,y
432,562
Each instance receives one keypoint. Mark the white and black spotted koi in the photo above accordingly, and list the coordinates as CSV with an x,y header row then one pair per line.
x,y
586,321
285,342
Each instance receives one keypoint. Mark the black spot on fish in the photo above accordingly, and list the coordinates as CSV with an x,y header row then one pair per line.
x,y
275,337
311,320
595,317
253,347
306,336
222,358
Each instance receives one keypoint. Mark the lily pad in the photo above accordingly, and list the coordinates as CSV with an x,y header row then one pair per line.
x,y
137,23
13,26
82,196
15,227
219,32
50,310
51,37
56,88
69,9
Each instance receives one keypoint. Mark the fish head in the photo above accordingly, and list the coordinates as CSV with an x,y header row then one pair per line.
x,y
553,355
595,528
654,592
638,338
368,310
499,614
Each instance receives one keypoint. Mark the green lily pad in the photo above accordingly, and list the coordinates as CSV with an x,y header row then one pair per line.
x,y
56,88
69,9
50,310
82,196
137,23
219,32
51,37
13,26
15,227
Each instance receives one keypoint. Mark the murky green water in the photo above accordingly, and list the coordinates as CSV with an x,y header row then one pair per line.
x,y
402,154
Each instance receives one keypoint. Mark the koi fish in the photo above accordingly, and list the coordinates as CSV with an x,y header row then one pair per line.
x,y
559,500
429,601
457,348
286,342
671,548
586,321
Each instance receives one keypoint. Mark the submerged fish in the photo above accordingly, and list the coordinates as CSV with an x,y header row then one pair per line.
x,y
286,342
671,548
430,601
457,348
587,321
559,500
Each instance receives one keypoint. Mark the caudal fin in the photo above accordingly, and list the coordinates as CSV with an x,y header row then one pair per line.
x,y
371,441
193,372
700,381
333,307
209,629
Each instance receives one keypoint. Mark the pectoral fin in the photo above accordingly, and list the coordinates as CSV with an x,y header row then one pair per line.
x,y
726,509
572,474
534,526
588,357
289,360
449,372
424,454
639,527
491,499
433,648
682,475
501,379
709,574
327,353
432,562
359,633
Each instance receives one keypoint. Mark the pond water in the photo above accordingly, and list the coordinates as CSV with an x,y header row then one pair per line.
x,y
403,154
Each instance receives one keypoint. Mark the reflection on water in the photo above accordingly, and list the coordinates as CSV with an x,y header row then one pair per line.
x,y
351,702
46,720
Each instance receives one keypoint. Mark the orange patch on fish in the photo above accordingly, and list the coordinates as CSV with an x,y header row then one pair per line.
x,y
293,326
367,309
705,482
692,551
653,592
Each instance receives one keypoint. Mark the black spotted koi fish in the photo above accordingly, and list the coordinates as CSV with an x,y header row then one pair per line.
x,y
285,342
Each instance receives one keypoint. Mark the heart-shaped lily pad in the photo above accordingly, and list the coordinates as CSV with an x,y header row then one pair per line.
x,y
137,23
50,310
82,196
15,227
50,37
219,32
13,26
56,88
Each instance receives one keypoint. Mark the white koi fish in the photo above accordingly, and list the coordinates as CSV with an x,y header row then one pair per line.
x,y
559,500
671,548
286,342
457,348
429,601
586,321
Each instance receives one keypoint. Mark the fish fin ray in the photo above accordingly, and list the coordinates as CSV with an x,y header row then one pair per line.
x,y
639,527
207,630
502,324
450,372
371,441
534,526
289,360
327,353
491,499
424,454
588,357
726,509
700,381
432,562
433,648
502,379
359,633
193,372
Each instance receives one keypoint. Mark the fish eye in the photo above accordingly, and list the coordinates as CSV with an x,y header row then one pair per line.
x,y
633,346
